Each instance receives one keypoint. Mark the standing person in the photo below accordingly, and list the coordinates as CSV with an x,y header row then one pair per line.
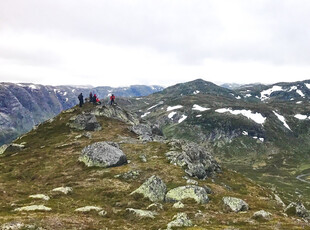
x,y
94,99
80,97
90,97
112,99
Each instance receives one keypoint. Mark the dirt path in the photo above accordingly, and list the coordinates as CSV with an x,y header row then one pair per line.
x,y
300,177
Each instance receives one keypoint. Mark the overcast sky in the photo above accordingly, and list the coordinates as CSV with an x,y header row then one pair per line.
x,y
163,42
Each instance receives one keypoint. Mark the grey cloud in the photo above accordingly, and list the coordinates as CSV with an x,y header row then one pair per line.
x,y
190,30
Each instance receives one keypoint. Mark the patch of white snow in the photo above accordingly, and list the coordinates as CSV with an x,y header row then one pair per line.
x,y
257,117
196,92
145,114
199,115
199,108
170,108
307,85
266,93
238,97
301,117
182,118
172,114
300,93
282,119
245,133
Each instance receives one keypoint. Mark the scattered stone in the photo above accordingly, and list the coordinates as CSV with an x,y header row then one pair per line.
x,y
155,207
297,209
279,201
262,215
190,191
11,147
208,189
226,186
153,188
103,154
235,204
130,175
142,213
178,204
196,161
64,190
180,220
199,214
69,111
87,135
40,196
84,121
33,208
88,209
143,158
103,213
12,226
193,182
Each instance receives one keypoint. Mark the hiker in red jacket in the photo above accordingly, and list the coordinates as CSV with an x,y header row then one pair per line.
x,y
112,99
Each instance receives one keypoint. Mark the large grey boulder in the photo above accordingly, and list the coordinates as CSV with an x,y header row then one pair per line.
x,y
180,220
84,121
297,209
262,215
103,154
195,159
197,193
153,188
235,204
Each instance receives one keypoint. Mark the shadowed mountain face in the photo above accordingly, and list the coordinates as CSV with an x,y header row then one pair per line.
x,y
24,105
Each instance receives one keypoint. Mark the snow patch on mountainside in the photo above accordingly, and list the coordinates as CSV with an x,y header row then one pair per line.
x,y
256,117
170,115
182,118
282,119
170,108
301,117
266,93
199,108
145,114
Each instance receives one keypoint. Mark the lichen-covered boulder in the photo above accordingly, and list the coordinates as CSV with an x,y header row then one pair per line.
x,y
64,190
40,196
195,159
178,204
262,215
180,220
88,209
84,121
197,193
142,213
235,204
297,209
153,188
103,154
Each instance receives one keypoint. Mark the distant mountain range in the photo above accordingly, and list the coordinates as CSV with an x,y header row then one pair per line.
x,y
24,105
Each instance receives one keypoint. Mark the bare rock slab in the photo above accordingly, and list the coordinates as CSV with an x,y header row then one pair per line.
x,y
235,204
64,190
153,188
262,215
197,193
33,208
180,220
142,213
103,154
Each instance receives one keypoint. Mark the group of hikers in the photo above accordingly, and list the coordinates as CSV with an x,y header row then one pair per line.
x,y
94,99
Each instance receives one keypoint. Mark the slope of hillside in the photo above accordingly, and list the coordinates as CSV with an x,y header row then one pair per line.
x,y
24,105
267,140
47,158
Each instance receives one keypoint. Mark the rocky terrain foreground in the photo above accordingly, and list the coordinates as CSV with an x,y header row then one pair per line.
x,y
103,168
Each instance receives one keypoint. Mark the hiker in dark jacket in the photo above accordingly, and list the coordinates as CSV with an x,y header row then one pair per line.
x,y
94,99
80,97
112,99
90,97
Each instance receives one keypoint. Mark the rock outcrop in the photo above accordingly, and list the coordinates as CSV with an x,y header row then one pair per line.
x,y
195,159
197,193
88,209
64,190
180,220
235,204
86,121
40,196
103,154
33,208
153,188
142,213
297,209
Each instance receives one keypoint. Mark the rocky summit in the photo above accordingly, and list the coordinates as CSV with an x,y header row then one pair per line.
x,y
58,176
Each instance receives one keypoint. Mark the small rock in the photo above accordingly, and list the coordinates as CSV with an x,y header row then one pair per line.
x,y
178,204
279,200
208,189
68,111
88,209
235,204
153,188
33,208
143,158
103,213
142,213
64,190
12,226
132,174
103,154
3,148
40,196
180,220
190,191
262,215
190,181
155,206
